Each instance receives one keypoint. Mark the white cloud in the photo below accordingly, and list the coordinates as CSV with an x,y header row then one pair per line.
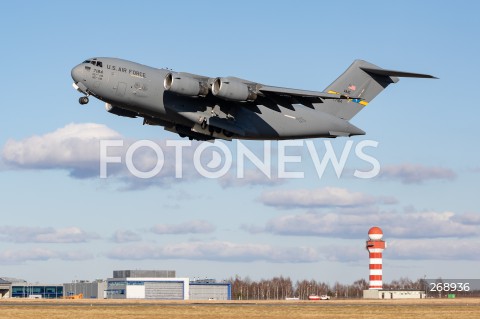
x,y
320,197
407,249
468,218
190,227
346,253
75,255
415,173
345,224
475,169
320,224
460,249
74,147
251,177
252,229
45,235
125,236
430,224
223,251
217,251
16,256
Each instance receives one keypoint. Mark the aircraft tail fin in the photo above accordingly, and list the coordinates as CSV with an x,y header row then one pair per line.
x,y
362,82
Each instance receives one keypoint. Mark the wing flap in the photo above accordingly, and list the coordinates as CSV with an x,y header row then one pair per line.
x,y
226,125
301,93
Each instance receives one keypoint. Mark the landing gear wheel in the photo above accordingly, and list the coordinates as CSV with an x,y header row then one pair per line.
x,y
227,133
204,124
83,100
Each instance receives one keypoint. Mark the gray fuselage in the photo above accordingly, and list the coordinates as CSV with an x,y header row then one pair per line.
x,y
139,90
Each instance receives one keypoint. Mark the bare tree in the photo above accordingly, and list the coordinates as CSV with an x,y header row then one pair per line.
x,y
279,288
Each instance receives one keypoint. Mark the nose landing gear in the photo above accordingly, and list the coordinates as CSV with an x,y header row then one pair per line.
x,y
83,100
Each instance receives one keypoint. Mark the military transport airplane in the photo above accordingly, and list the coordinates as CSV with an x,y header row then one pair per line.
x,y
205,108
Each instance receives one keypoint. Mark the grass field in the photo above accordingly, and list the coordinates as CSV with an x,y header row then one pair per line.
x,y
87,309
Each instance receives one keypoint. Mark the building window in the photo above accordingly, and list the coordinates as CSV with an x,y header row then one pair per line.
x,y
135,283
116,283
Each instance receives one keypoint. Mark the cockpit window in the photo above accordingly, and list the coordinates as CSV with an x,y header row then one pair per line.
x,y
94,62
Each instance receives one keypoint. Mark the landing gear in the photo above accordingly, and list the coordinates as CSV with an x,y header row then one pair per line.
x,y
204,123
227,133
83,100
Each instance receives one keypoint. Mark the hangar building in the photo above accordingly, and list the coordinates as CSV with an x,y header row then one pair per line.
x,y
163,285
148,288
209,289
394,294
92,290
147,284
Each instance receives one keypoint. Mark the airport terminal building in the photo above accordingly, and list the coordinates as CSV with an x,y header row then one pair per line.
x,y
19,288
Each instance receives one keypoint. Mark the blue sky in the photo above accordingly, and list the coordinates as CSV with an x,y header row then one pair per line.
x,y
57,225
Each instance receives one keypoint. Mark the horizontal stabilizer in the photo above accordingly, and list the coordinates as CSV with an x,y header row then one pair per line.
x,y
385,72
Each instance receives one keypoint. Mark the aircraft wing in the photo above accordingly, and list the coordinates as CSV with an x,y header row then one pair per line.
x,y
299,93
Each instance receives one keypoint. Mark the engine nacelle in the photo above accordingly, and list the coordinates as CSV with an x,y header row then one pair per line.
x,y
185,85
119,111
233,89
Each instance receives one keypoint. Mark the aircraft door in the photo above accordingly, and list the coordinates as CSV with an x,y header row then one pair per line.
x,y
121,88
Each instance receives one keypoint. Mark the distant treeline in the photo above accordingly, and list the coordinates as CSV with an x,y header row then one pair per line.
x,y
279,288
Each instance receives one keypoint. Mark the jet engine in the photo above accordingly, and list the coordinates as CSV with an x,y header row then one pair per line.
x,y
119,111
185,85
233,89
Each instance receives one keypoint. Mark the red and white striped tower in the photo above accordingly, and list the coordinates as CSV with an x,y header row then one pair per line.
x,y
375,247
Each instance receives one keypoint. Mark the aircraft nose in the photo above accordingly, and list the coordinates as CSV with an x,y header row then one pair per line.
x,y
77,73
